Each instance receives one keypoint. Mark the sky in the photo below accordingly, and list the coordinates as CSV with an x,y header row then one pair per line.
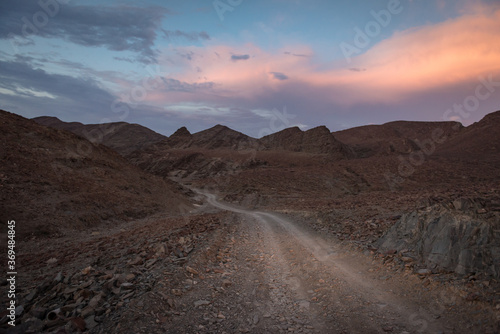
x,y
256,66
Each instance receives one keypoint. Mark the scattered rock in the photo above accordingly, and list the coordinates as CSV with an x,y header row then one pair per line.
x,y
201,303
90,322
192,271
424,271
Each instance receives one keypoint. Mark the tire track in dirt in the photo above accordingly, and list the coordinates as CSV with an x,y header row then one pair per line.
x,y
311,278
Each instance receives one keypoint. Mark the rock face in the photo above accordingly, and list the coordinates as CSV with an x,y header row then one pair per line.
x,y
120,136
318,140
449,240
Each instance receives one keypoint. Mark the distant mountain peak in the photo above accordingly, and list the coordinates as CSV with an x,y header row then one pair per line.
x,y
320,129
181,132
221,127
318,140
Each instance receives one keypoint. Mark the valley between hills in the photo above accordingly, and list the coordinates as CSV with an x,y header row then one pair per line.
x,y
389,228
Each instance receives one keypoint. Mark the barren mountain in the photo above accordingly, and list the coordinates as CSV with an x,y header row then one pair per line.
x,y
181,138
318,140
398,137
478,142
54,180
121,136
222,137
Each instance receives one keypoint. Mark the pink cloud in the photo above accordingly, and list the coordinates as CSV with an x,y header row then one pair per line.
x,y
412,61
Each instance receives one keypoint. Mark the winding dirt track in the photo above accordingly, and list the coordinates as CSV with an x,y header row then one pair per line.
x,y
308,283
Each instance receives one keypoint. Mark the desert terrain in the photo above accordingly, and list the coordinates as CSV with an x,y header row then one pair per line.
x,y
389,228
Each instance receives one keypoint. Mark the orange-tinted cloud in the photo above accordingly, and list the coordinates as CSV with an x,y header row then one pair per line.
x,y
412,61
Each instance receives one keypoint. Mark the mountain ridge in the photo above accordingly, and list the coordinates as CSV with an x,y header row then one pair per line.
x,y
395,137
123,137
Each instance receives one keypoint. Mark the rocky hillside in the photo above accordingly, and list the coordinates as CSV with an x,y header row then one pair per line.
x,y
318,141
53,180
222,137
477,142
121,136
400,137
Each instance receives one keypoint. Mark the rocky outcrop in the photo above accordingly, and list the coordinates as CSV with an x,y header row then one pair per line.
x,y
448,239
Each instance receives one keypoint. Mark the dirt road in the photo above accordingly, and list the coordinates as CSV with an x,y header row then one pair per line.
x,y
280,277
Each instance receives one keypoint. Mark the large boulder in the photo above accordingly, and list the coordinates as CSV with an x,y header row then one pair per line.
x,y
447,239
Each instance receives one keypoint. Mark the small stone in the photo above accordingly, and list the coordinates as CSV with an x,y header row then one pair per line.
x,y
90,322
201,303
127,286
19,310
226,283
95,301
191,270
473,296
221,316
52,260
136,261
59,277
171,303
176,292
87,311
424,271
87,270
149,263
31,295
387,329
